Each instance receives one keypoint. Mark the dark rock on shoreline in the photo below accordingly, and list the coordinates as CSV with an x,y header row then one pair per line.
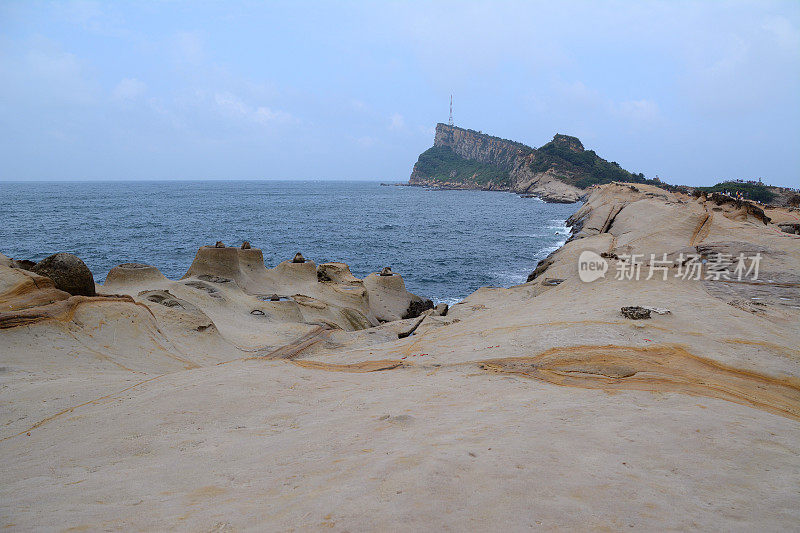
x,y
417,307
68,273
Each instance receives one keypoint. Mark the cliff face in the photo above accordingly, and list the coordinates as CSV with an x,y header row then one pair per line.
x,y
474,145
559,171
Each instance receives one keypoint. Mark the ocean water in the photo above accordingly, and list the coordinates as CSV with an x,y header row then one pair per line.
x,y
446,244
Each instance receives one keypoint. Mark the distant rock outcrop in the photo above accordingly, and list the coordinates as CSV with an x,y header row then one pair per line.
x,y
559,171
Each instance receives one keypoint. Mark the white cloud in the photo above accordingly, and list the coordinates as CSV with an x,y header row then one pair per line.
x,y
396,122
578,93
365,142
128,89
266,115
428,130
188,47
639,110
577,99
45,74
783,33
232,106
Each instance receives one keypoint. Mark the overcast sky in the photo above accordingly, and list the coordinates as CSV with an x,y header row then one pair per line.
x,y
693,92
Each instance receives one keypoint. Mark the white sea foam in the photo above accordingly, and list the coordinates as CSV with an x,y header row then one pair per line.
x,y
448,301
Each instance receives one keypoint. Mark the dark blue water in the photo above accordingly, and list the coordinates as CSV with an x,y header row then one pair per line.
x,y
446,244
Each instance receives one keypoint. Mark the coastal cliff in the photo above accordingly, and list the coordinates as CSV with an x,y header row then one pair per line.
x,y
559,171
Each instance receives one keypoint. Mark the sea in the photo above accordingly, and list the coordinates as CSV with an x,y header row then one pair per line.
x,y
445,243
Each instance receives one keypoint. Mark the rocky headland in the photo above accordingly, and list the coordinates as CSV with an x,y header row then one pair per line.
x,y
560,171
300,397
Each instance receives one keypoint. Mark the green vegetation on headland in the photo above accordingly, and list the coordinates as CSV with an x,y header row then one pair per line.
x,y
441,163
467,158
500,163
751,191
572,164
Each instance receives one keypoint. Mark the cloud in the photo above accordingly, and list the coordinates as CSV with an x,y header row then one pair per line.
x,y
396,122
188,47
638,110
429,131
39,72
358,105
746,71
366,142
232,106
577,99
578,94
266,115
128,89
783,33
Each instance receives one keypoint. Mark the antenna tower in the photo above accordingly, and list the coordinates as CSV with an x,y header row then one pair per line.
x,y
451,110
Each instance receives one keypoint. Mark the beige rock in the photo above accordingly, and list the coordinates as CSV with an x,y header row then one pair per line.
x,y
388,298
133,274
180,409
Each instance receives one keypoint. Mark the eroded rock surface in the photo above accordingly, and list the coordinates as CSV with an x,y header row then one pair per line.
x,y
318,407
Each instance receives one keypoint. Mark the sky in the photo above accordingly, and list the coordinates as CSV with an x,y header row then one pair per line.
x,y
691,92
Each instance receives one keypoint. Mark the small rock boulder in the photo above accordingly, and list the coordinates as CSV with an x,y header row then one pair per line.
x,y
246,245
387,271
790,227
635,312
298,258
68,273
417,306
219,244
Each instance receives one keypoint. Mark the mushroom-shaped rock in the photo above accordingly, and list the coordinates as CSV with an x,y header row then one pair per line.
x,y
387,271
219,244
244,266
336,272
298,258
290,276
68,273
388,298
132,274
246,245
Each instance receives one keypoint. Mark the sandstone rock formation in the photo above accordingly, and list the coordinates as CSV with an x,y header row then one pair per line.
x,y
136,274
206,404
